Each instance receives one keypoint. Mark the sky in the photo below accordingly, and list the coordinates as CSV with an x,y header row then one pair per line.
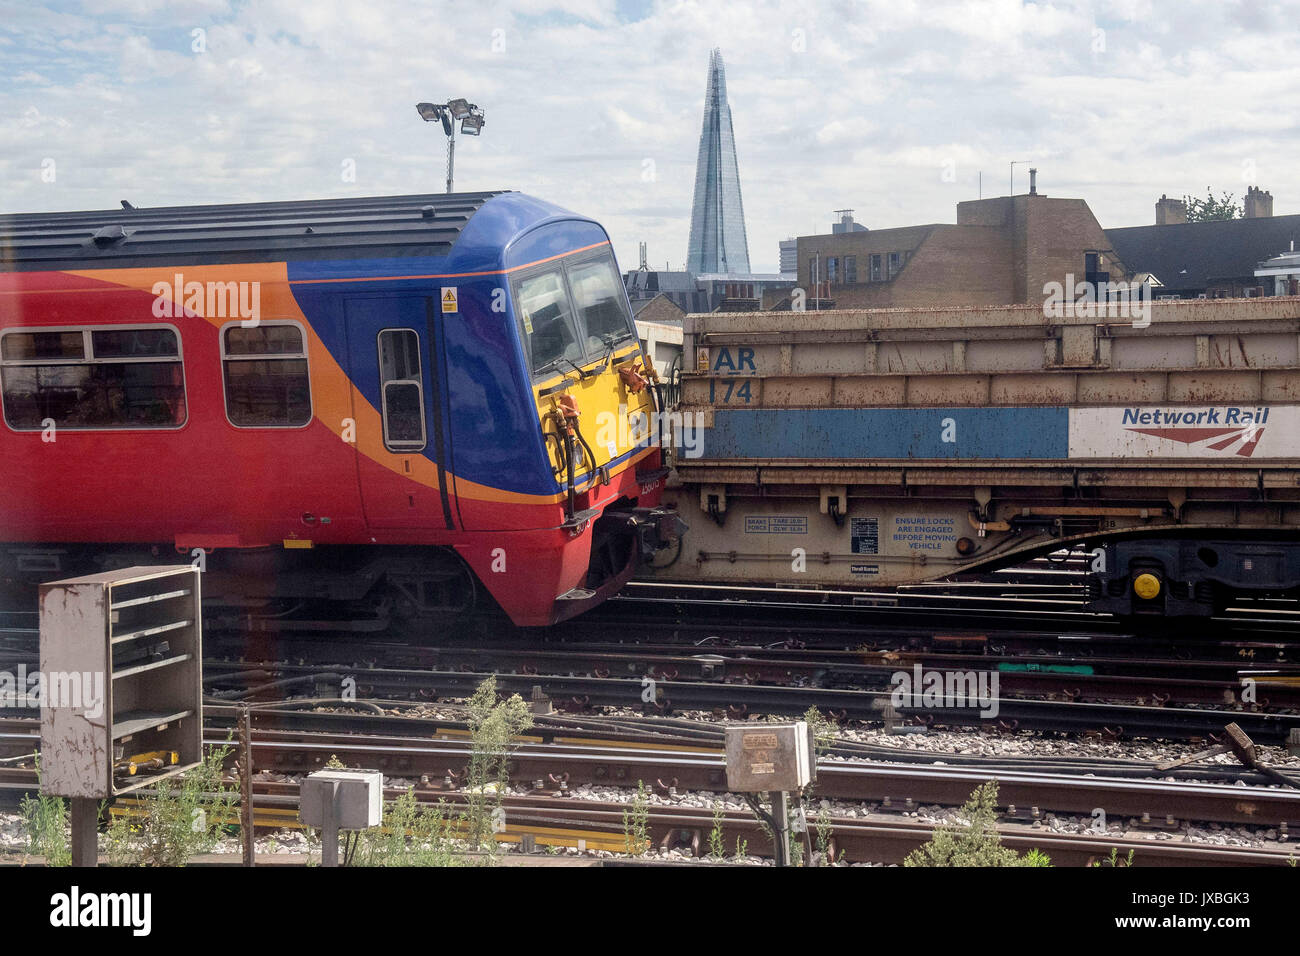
x,y
891,108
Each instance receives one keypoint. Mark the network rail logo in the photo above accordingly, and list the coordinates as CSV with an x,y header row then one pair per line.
x,y
1228,430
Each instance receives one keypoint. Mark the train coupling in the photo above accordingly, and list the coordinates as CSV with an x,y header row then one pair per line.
x,y
655,528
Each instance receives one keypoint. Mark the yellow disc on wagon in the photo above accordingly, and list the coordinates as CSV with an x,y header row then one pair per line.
x,y
1146,586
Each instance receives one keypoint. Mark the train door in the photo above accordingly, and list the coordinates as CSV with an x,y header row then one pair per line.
x,y
399,436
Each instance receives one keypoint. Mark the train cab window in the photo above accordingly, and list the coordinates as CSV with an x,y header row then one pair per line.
x,y
598,297
402,390
265,373
118,377
547,320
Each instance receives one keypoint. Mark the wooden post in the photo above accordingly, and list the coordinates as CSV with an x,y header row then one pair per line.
x,y
781,827
246,784
85,831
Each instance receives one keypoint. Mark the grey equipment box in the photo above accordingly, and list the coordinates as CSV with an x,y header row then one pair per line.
x,y
357,797
776,757
121,700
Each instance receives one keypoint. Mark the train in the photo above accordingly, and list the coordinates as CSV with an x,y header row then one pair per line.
x,y
399,409
868,449
383,406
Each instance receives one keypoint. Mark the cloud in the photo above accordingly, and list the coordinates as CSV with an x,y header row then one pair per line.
x,y
892,107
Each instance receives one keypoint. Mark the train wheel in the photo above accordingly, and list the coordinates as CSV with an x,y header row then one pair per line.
x,y
428,596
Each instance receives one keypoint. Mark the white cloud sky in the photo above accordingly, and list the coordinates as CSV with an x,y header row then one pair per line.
x,y
836,103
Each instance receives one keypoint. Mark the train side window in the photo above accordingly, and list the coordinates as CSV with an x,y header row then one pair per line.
x,y
547,321
264,369
112,377
402,390
598,297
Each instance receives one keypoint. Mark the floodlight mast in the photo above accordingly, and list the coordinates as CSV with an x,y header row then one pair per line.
x,y
471,124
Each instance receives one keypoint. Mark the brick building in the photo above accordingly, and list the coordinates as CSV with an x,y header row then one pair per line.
x,y
1218,259
660,309
1001,251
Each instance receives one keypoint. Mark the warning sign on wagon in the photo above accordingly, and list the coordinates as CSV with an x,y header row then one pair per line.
x,y
449,300
776,524
864,535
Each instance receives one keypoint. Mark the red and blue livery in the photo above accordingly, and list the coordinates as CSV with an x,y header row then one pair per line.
x,y
383,403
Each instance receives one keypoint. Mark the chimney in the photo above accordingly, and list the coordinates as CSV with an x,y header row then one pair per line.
x,y
1259,204
1033,182
1170,212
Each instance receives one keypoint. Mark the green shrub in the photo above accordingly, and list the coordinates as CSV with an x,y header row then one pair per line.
x,y
45,820
180,819
974,842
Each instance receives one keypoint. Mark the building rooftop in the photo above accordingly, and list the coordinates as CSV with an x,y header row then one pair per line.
x,y
744,277
660,281
1191,255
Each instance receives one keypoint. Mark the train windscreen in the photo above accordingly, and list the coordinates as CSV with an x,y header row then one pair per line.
x,y
572,314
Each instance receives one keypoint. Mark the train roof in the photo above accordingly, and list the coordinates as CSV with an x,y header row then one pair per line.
x,y
346,228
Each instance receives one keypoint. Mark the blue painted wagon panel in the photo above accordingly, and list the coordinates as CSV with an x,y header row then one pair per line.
x,y
885,433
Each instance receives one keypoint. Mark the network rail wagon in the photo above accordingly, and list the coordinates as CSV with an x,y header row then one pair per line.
x,y
380,403
887,447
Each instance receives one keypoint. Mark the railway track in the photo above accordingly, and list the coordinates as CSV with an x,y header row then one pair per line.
x,y
669,693
553,821
676,757
1077,682
1076,675
559,754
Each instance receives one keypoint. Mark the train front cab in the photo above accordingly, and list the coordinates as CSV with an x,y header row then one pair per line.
x,y
589,442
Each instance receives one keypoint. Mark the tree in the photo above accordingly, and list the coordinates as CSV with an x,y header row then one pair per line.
x,y
1210,209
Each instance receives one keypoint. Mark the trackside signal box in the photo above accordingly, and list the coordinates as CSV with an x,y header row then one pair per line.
x,y
774,757
334,800
121,681
354,798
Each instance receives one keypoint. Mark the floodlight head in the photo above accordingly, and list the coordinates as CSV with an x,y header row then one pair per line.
x,y
472,125
428,112
459,108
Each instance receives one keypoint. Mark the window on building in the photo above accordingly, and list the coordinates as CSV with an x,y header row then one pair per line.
x,y
814,270
876,268
850,270
264,369
118,377
895,262
402,389
832,269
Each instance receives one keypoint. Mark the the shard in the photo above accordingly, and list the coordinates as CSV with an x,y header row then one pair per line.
x,y
718,242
